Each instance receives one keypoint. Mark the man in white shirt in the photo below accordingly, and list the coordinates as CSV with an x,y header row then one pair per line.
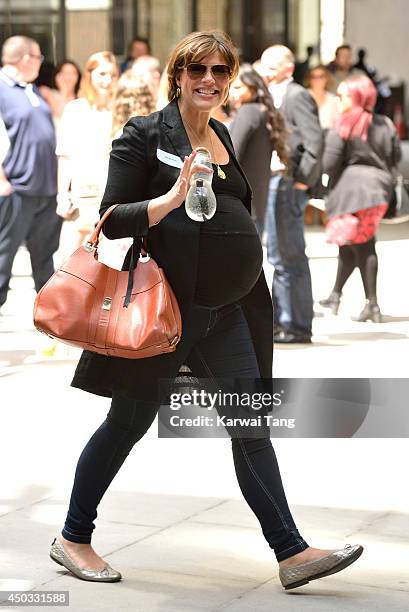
x,y
292,293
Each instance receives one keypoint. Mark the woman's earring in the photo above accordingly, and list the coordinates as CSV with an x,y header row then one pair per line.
x,y
177,92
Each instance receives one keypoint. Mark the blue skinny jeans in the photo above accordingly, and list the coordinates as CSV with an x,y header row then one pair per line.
x,y
216,343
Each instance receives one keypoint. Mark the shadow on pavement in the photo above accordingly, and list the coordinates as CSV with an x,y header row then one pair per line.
x,y
15,357
367,336
390,319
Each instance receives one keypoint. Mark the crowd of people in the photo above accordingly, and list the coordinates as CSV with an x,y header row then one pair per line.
x,y
57,125
77,144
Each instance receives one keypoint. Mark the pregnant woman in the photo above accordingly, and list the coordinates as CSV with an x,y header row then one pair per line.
x,y
215,269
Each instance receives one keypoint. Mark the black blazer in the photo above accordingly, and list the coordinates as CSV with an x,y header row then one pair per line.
x,y
361,173
253,146
135,176
305,141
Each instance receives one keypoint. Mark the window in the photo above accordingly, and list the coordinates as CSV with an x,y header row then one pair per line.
x,y
42,20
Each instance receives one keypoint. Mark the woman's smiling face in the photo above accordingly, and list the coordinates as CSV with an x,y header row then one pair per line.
x,y
103,77
207,91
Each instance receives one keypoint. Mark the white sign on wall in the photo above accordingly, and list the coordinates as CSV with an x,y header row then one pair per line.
x,y
87,5
332,27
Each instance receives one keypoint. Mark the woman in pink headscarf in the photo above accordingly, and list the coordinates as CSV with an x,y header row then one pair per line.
x,y
361,153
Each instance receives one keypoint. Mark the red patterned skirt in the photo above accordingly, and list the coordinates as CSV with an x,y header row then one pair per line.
x,y
355,228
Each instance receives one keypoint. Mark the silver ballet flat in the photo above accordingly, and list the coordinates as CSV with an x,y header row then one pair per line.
x,y
59,555
298,575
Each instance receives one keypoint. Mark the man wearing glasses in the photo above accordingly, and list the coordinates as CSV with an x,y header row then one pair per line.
x,y
28,166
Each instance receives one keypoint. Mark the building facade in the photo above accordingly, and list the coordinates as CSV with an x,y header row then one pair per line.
x,y
77,28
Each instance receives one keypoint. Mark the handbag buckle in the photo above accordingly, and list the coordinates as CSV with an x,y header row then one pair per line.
x,y
88,246
106,304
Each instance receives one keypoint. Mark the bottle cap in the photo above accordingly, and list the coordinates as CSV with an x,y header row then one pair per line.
x,y
203,151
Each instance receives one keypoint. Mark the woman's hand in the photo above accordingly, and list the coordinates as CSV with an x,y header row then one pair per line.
x,y
159,207
177,195
6,188
300,186
64,205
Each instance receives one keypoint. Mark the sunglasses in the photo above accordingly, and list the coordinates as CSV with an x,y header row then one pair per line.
x,y
198,71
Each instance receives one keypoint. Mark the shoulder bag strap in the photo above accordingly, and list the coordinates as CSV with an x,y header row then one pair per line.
x,y
93,243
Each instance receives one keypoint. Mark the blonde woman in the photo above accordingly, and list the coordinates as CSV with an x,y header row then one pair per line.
x,y
134,97
84,142
162,96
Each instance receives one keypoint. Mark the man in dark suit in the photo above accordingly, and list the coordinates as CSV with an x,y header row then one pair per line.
x,y
292,293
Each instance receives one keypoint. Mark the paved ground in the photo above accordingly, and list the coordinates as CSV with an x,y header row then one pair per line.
x,y
173,520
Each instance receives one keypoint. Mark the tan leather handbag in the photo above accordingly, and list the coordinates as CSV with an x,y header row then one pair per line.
x,y
131,314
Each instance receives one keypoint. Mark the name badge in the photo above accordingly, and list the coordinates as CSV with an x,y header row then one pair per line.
x,y
169,158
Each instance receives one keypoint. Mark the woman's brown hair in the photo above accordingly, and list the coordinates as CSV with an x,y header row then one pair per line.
x,y
193,48
274,120
87,90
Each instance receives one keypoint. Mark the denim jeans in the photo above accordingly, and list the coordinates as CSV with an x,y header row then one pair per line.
x,y
216,343
291,292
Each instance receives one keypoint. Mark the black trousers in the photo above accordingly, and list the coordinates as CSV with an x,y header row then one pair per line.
x,y
32,220
216,344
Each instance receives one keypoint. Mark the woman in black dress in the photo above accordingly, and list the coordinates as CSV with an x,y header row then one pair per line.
x,y
256,131
215,270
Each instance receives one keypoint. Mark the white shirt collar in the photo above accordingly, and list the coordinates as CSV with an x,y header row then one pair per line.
x,y
28,88
10,80
7,79
278,91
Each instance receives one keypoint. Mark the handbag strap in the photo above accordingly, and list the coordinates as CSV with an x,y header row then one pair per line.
x,y
143,250
94,238
94,241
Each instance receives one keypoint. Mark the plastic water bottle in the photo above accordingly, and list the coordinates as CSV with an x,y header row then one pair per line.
x,y
200,203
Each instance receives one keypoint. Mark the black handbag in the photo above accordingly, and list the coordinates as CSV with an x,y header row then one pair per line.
x,y
398,206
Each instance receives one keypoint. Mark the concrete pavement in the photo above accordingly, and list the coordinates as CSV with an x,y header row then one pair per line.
x,y
173,521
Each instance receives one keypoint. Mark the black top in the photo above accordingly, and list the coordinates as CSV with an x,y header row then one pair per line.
x,y
228,238
305,138
253,147
233,185
361,172
136,175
